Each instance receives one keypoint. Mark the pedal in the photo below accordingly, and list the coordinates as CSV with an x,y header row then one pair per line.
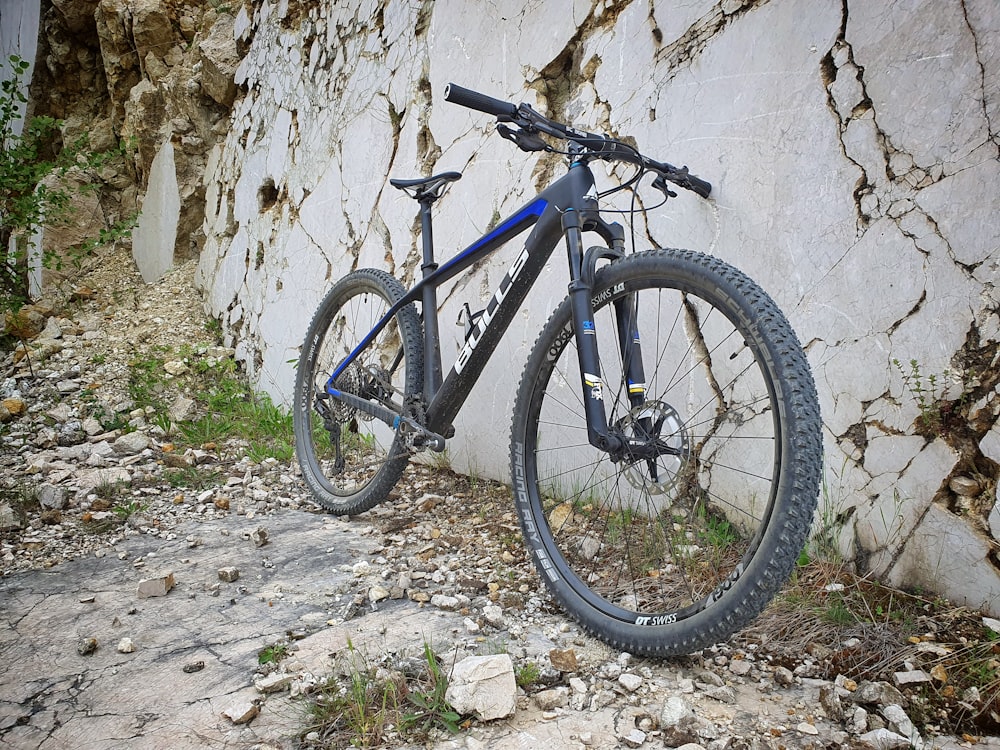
x,y
468,318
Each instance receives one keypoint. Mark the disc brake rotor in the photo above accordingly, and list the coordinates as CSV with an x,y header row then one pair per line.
x,y
660,422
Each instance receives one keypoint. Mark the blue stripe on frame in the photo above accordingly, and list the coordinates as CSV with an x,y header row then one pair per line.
x,y
533,209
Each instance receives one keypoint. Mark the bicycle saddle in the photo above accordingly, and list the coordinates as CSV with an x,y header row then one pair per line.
x,y
423,188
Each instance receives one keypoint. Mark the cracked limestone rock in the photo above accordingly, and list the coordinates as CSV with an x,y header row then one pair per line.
x,y
484,686
858,186
159,586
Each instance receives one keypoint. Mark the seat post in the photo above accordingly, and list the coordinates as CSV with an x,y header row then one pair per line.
x,y
426,190
428,299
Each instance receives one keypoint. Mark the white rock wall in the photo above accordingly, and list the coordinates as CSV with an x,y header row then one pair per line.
x,y
19,32
854,152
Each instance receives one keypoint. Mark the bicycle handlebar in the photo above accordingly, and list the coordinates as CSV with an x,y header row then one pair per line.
x,y
474,100
599,146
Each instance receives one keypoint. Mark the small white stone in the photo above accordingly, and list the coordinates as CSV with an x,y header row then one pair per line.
x,y
883,739
493,614
241,712
635,738
377,593
155,586
629,681
992,624
740,667
273,683
126,646
361,568
443,601
784,677
911,677
548,700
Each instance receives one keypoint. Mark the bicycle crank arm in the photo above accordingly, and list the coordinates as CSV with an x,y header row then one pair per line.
x,y
422,437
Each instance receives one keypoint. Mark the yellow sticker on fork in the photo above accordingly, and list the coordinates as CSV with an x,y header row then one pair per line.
x,y
594,383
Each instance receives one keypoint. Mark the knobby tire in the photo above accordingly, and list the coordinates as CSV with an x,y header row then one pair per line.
x,y
388,370
670,555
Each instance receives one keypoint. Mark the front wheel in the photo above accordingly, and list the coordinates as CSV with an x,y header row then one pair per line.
x,y
349,459
669,550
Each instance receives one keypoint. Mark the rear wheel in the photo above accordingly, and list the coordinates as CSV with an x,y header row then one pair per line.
x,y
349,459
674,549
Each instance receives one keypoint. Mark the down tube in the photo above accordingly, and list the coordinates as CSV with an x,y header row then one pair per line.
x,y
456,387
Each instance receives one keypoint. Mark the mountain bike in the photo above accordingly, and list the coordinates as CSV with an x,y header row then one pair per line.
x,y
665,442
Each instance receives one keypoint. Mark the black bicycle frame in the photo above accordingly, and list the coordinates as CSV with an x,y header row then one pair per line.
x,y
567,208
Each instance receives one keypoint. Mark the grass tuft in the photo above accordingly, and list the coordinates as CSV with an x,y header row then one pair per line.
x,y
371,705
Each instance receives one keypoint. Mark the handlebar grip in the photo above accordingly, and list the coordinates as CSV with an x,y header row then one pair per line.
x,y
699,186
474,100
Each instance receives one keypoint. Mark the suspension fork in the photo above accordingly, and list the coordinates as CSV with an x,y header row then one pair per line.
x,y
582,308
626,318
581,291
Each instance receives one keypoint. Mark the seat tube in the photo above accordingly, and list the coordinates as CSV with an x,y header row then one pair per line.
x,y
582,306
428,301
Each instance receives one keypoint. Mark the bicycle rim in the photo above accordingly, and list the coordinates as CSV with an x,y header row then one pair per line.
x,y
659,542
349,458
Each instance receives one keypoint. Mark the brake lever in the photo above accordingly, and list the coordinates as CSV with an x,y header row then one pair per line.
x,y
660,183
525,140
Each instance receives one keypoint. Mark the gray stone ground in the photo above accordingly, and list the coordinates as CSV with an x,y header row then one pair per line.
x,y
53,697
192,670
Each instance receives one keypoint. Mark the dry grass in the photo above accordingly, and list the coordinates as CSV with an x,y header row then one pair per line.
x,y
866,631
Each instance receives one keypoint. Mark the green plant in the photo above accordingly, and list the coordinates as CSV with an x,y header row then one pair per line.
x,y
108,490
272,654
924,390
714,530
162,420
234,411
40,175
823,544
214,327
431,707
125,510
527,674
193,477
367,706
359,712
146,384
22,499
229,409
